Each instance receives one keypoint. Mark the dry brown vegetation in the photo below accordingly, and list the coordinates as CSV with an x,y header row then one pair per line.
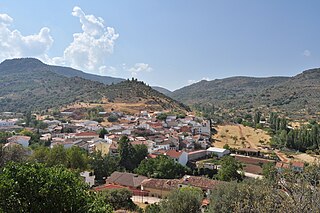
x,y
239,136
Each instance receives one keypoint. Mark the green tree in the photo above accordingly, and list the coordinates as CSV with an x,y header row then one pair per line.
x,y
269,171
226,146
77,158
112,118
4,137
162,116
161,167
103,165
57,156
140,153
40,154
102,132
15,153
184,200
28,118
127,154
229,169
152,208
37,188
120,199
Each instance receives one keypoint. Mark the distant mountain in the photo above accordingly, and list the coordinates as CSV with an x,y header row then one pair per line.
x,y
162,90
287,94
15,64
28,84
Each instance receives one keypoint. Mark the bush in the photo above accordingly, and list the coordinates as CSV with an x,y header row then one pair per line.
x,y
113,118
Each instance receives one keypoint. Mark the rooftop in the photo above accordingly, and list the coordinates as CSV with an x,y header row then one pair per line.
x,y
125,179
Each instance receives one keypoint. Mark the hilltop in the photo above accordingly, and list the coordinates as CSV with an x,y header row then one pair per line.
x,y
24,64
297,94
29,84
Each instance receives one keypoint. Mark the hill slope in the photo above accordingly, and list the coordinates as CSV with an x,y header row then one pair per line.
x,y
287,94
28,84
162,90
17,65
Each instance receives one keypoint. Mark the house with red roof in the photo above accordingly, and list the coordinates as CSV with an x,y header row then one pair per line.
x,y
178,155
87,135
294,166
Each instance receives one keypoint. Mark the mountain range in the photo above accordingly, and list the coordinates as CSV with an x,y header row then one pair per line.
x,y
297,94
28,84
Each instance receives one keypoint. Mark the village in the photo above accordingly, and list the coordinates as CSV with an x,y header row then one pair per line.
x,y
187,140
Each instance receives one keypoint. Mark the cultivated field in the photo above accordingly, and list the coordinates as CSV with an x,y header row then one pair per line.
x,y
239,136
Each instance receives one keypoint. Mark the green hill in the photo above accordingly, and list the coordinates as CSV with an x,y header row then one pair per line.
x,y
28,84
298,94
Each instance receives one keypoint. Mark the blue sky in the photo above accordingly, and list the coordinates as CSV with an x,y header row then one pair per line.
x,y
170,43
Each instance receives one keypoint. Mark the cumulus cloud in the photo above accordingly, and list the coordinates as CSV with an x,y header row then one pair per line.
x,y
138,68
13,44
88,51
89,48
306,53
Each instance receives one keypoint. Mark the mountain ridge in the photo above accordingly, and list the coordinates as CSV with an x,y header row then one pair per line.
x,y
28,84
65,71
287,94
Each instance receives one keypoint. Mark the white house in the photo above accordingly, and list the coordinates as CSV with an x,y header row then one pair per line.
x,y
7,123
88,177
22,140
179,156
203,128
218,151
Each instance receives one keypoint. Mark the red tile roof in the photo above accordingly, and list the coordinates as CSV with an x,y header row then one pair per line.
x,y
298,164
87,134
282,165
174,153
125,179
168,184
200,182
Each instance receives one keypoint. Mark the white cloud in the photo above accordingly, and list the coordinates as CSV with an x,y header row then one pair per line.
x,y
13,44
104,70
5,19
306,53
89,49
138,68
196,81
191,81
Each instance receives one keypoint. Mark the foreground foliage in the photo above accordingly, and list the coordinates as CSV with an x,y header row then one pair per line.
x,y
285,192
184,200
37,188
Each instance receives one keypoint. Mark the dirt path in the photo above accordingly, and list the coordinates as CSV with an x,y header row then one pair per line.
x,y
251,144
282,157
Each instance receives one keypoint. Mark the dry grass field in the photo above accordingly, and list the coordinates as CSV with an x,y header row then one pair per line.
x,y
120,106
239,136
307,158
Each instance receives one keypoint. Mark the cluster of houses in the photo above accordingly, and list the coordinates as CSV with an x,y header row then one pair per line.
x,y
186,139
182,139
158,188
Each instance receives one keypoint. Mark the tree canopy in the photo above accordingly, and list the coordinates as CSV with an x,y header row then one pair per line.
x,y
161,167
131,156
183,200
229,169
33,187
288,192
